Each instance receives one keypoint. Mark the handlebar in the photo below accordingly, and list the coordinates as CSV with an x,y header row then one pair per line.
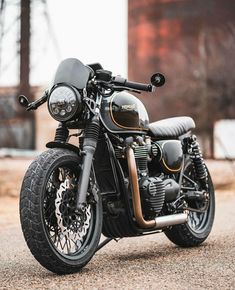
x,y
105,79
119,81
24,102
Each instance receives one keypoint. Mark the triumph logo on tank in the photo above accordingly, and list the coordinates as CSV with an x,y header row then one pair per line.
x,y
129,107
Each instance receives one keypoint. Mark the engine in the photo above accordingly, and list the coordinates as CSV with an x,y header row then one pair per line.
x,y
152,189
155,162
152,195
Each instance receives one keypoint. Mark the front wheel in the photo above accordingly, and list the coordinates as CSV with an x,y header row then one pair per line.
x,y
62,239
199,224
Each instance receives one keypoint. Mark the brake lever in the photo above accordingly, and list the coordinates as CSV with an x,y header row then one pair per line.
x,y
120,88
113,87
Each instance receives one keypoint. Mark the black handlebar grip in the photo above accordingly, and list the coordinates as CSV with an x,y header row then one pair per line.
x,y
34,105
139,86
132,85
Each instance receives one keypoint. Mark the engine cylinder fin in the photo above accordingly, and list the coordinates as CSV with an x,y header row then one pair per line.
x,y
141,157
152,195
154,149
140,152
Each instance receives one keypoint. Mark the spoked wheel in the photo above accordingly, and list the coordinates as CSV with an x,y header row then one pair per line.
x,y
60,237
199,224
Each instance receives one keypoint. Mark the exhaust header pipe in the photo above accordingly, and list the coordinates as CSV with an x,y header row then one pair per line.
x,y
158,222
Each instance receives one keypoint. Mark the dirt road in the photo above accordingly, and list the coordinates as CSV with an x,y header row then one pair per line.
x,y
150,262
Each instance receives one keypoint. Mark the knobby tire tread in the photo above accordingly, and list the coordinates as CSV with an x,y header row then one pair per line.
x,y
181,236
30,214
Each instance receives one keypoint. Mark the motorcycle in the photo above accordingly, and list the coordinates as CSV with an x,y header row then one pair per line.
x,y
126,177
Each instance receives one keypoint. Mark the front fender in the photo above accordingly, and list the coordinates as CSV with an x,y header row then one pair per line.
x,y
64,145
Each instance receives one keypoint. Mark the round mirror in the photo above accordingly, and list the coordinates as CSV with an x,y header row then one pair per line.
x,y
24,102
158,80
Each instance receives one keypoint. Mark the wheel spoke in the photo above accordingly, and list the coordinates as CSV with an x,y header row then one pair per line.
x,y
67,229
196,220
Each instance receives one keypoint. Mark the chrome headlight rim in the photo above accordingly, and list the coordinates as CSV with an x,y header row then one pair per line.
x,y
77,102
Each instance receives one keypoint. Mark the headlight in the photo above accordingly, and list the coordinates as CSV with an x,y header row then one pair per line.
x,y
64,103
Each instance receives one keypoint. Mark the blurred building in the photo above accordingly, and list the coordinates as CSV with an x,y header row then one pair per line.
x,y
45,125
20,129
16,126
193,44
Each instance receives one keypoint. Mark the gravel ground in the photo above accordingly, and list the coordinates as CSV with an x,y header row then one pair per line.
x,y
150,262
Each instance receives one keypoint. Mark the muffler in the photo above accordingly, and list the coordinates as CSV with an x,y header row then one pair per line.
x,y
158,222
170,220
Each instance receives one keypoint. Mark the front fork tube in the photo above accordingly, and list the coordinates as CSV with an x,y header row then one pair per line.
x,y
89,147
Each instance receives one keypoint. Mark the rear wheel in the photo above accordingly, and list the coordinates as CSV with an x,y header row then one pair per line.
x,y
62,239
199,224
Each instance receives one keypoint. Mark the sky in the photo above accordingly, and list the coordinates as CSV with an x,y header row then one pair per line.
x,y
91,30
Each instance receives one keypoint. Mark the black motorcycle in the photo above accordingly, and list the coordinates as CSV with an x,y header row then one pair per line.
x,y
125,178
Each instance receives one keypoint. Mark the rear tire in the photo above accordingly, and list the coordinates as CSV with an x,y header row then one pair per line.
x,y
61,239
198,227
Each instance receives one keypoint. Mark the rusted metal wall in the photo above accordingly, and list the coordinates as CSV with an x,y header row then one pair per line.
x,y
193,44
16,125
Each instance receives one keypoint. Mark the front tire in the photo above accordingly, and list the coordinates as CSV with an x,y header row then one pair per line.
x,y
60,238
198,227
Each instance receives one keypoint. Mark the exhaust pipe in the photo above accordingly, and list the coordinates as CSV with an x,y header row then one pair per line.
x,y
170,220
158,222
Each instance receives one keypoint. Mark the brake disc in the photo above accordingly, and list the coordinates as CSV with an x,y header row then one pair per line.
x,y
77,229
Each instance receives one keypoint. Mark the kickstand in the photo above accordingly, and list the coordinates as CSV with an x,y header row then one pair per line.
x,y
105,242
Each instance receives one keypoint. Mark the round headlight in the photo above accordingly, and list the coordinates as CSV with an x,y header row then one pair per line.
x,y
64,103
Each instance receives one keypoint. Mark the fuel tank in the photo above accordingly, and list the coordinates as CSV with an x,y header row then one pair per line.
x,y
124,113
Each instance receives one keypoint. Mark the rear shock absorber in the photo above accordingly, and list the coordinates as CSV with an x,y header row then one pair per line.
x,y
198,161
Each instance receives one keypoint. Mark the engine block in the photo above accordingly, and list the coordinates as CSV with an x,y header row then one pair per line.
x,y
152,192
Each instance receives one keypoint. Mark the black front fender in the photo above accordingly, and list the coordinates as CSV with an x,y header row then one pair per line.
x,y
64,145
